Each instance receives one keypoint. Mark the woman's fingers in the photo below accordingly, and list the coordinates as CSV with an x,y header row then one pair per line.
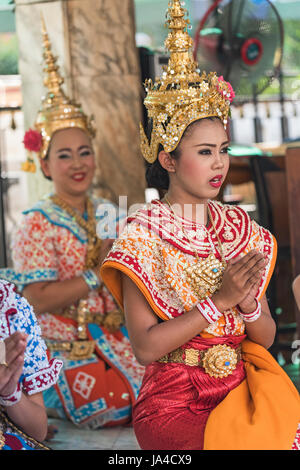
x,y
239,264
247,266
257,269
15,345
14,365
9,376
16,370
12,341
13,373
253,282
12,355
242,277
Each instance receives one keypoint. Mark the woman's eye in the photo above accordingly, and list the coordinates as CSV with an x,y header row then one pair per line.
x,y
225,149
204,152
64,155
86,153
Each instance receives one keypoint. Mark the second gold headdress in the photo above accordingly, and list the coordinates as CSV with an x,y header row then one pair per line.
x,y
57,111
181,96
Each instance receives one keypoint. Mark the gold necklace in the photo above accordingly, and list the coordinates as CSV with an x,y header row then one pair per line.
x,y
83,349
205,276
89,225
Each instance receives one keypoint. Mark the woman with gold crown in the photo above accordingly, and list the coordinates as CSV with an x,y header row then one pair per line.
x,y
191,273
57,255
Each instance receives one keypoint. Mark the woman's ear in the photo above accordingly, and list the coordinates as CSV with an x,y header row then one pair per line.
x,y
45,167
166,161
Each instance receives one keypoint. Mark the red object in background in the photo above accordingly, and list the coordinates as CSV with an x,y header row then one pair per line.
x,y
33,140
252,46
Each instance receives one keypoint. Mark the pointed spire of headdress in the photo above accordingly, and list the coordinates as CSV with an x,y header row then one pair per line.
x,y
181,67
57,110
52,80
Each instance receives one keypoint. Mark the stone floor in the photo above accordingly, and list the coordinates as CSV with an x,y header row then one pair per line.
x,y
70,437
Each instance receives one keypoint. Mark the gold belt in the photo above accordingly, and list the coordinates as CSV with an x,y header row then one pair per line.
x,y
218,361
89,317
112,320
83,348
78,350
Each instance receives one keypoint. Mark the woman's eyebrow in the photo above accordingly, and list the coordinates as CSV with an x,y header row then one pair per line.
x,y
70,150
84,147
63,150
211,145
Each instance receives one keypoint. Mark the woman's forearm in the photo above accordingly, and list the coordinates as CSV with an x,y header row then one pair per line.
x,y
55,296
262,331
30,416
162,338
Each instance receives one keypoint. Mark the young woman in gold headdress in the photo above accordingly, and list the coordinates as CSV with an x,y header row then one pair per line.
x,y
191,275
57,252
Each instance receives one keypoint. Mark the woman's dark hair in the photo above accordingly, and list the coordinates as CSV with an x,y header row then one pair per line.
x,y
156,176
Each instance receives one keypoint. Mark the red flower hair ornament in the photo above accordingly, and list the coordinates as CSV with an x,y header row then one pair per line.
x,y
33,141
225,89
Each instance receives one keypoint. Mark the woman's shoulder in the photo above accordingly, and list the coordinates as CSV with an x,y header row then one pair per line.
x,y
45,203
238,231
33,221
229,211
237,215
144,217
40,211
137,227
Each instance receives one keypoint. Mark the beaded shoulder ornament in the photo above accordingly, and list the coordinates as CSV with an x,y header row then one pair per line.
x,y
181,96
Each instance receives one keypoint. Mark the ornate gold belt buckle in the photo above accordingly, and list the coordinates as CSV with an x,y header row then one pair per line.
x,y
81,350
219,361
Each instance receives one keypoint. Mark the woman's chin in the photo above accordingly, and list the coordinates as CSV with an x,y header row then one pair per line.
x,y
74,190
80,186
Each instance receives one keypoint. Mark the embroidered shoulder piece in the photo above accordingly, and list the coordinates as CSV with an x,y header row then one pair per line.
x,y
57,216
233,226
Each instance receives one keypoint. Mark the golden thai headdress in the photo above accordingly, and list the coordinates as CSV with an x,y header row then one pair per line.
x,y
57,111
181,96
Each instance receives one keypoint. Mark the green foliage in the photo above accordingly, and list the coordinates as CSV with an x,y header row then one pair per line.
x,y
8,54
291,45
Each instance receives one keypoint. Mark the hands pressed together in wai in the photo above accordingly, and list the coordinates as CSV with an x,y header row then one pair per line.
x,y
241,281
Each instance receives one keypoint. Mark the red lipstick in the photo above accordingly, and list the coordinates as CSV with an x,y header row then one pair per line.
x,y
216,181
78,176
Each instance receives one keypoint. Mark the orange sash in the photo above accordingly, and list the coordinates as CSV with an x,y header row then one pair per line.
x,y
262,413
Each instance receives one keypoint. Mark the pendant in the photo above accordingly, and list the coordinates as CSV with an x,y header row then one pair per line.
x,y
205,277
81,350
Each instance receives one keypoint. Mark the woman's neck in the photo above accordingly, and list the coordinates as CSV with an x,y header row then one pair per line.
x,y
76,202
188,206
